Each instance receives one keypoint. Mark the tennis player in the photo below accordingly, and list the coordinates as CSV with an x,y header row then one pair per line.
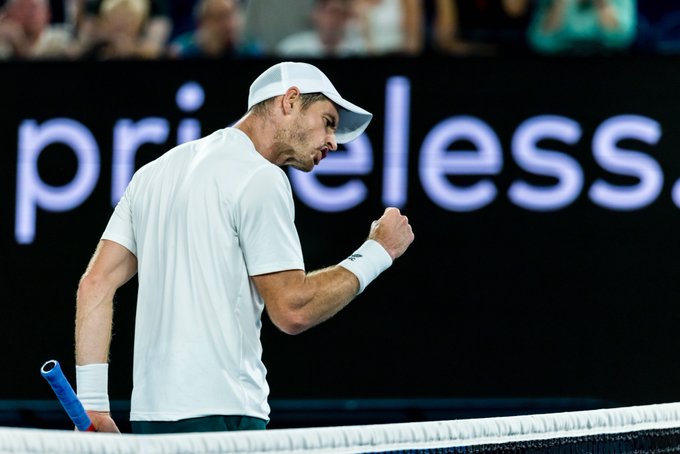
x,y
209,229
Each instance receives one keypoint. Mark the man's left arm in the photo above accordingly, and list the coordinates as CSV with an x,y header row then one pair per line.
x,y
296,300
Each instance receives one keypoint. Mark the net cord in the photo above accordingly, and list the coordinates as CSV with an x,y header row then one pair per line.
x,y
353,439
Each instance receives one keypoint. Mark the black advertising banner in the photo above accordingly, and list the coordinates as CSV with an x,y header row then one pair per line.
x,y
543,194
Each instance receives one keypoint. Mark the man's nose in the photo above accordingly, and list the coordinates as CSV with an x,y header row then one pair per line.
x,y
331,142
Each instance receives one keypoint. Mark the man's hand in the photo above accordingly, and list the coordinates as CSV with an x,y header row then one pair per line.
x,y
102,421
393,232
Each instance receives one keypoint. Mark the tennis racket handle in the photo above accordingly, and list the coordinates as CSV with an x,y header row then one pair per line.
x,y
52,372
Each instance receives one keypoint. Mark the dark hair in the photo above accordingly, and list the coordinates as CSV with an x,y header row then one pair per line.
x,y
306,100
261,108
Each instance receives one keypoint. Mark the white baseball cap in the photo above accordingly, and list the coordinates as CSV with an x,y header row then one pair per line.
x,y
309,79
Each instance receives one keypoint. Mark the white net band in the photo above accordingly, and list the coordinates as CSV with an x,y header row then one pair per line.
x,y
354,439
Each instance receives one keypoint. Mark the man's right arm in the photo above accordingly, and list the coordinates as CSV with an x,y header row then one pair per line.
x,y
111,266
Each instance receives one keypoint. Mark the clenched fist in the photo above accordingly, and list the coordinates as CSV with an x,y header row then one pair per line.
x,y
393,232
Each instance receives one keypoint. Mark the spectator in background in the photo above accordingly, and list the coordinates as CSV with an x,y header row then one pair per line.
x,y
137,29
117,31
583,26
479,27
219,33
26,32
391,27
73,11
331,35
268,21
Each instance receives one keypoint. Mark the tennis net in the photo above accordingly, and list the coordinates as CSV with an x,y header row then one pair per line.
x,y
637,429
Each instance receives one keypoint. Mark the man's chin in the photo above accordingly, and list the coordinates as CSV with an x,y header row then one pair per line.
x,y
303,168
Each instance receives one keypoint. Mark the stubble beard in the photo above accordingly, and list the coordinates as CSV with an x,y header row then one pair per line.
x,y
296,147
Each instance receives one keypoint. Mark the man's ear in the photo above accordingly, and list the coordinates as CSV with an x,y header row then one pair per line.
x,y
290,98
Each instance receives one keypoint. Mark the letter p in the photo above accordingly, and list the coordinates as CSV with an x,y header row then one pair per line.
x,y
32,191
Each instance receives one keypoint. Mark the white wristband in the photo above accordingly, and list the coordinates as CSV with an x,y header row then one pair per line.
x,y
367,262
92,385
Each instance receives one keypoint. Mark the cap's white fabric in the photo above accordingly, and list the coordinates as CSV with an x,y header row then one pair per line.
x,y
309,79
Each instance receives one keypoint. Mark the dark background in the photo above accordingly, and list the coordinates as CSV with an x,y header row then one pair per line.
x,y
498,307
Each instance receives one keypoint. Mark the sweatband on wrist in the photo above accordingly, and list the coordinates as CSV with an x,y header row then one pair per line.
x,y
92,386
367,262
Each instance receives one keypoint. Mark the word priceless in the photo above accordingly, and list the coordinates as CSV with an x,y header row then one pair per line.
x,y
454,179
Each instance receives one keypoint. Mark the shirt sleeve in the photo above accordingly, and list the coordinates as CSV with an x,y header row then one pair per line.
x,y
266,224
119,228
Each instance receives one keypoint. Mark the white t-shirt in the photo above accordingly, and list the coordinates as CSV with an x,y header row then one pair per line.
x,y
201,219
308,44
385,30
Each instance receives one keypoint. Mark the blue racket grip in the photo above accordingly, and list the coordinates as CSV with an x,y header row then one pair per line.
x,y
52,372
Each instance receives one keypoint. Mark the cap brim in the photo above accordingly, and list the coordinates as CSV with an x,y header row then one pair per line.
x,y
353,119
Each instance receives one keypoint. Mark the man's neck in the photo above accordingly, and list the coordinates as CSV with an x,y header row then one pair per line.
x,y
261,132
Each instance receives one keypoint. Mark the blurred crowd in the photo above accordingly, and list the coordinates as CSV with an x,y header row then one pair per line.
x,y
182,29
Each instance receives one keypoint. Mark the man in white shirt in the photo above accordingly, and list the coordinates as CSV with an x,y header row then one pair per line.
x,y
332,34
26,32
209,229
